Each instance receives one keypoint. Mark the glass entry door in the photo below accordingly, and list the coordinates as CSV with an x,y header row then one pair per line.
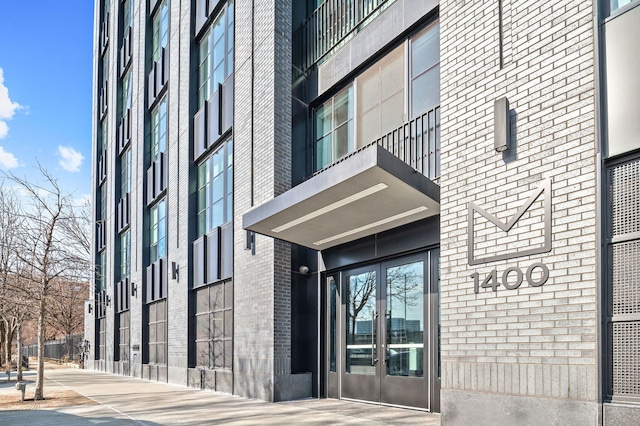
x,y
382,332
361,326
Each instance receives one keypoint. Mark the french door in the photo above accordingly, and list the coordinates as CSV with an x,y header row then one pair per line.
x,y
382,332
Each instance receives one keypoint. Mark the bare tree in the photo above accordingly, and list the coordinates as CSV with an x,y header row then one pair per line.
x,y
44,251
10,222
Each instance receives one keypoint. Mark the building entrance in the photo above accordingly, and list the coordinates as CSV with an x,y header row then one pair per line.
x,y
382,332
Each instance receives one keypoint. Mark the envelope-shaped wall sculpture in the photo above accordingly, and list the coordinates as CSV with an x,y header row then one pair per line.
x,y
544,190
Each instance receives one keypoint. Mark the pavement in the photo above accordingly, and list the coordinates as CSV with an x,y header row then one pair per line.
x,y
86,397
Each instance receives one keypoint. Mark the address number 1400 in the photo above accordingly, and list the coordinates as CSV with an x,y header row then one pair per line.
x,y
512,278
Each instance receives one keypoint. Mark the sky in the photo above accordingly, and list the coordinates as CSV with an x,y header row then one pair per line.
x,y
46,68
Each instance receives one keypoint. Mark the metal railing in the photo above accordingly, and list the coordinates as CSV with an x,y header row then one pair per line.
x,y
332,23
67,348
417,143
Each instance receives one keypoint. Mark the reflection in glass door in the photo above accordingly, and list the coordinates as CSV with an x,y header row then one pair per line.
x,y
405,320
382,332
361,324
360,379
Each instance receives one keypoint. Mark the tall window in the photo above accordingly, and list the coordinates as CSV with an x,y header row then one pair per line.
x,y
127,14
334,128
214,326
127,93
103,204
160,30
125,173
617,4
104,136
158,332
101,283
215,189
159,130
425,71
125,255
216,54
397,88
158,231
106,5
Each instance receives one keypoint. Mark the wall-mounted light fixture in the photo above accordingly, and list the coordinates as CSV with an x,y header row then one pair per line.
x,y
501,125
89,307
175,273
134,290
107,300
250,242
303,270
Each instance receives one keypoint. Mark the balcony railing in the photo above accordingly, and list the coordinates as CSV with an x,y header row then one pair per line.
x,y
332,23
416,142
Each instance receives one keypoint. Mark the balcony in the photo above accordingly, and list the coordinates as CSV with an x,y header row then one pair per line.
x,y
367,192
333,23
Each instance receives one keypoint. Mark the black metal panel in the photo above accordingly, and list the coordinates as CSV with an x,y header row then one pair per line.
x,y
163,278
407,238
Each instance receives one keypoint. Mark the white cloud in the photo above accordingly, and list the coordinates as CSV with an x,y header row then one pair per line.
x,y
7,159
70,159
7,108
83,200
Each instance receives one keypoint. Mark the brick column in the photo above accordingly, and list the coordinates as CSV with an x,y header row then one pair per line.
x,y
526,355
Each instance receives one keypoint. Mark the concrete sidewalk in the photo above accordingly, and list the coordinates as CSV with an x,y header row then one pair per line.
x,y
110,399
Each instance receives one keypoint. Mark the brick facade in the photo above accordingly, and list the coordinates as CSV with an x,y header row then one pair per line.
x,y
530,341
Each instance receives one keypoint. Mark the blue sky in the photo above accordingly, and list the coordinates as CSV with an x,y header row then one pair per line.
x,y
46,70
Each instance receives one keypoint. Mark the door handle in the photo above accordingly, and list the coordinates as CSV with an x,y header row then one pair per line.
x,y
374,352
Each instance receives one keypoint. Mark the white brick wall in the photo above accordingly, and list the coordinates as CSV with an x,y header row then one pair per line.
x,y
535,341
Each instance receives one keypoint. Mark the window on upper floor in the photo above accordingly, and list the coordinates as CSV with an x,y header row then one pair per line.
x,y
160,30
158,143
617,4
127,13
101,271
215,54
215,189
103,204
125,173
158,231
425,71
125,255
127,94
334,128
402,85
103,140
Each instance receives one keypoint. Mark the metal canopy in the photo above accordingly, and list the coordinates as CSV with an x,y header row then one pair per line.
x,y
368,192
